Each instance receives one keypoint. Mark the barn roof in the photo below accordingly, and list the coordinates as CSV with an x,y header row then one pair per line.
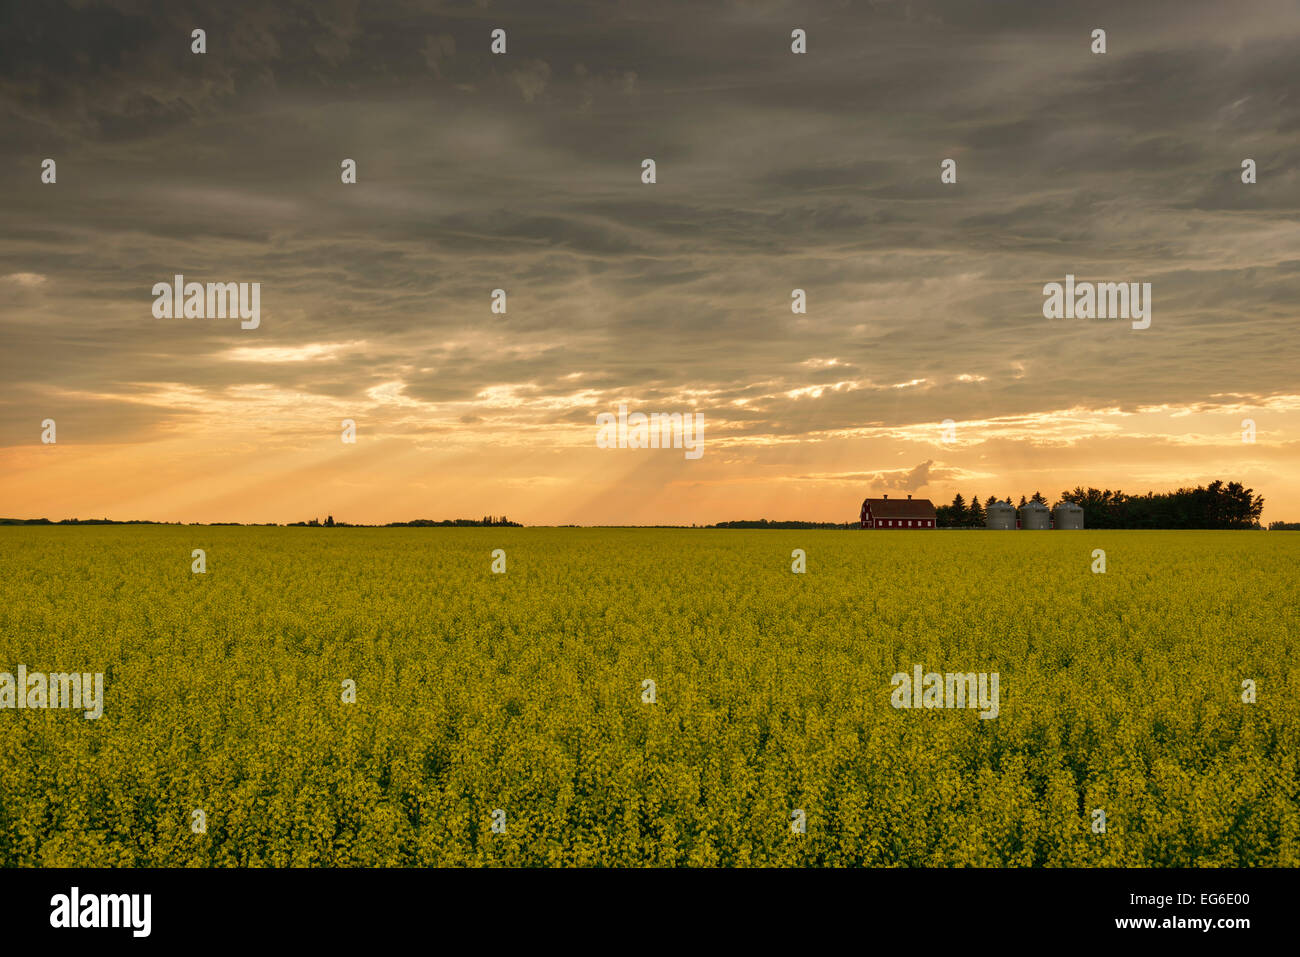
x,y
901,507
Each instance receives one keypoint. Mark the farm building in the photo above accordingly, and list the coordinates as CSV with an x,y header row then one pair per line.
x,y
1068,515
1035,515
898,513
1001,515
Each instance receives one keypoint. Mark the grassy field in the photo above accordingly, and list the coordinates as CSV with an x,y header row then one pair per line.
x,y
523,692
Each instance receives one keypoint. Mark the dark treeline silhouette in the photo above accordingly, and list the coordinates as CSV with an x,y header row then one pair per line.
x,y
1214,506
1218,505
485,521
765,523
961,515
1284,526
317,523
81,521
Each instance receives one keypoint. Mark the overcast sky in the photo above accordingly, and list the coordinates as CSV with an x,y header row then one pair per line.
x,y
523,172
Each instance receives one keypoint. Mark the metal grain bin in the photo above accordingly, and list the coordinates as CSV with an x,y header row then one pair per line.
x,y
1001,515
1068,515
1035,515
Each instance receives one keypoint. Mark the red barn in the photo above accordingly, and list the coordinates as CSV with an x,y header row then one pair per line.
x,y
898,513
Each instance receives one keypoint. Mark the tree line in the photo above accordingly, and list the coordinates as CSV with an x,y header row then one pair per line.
x,y
485,521
766,523
961,515
1217,505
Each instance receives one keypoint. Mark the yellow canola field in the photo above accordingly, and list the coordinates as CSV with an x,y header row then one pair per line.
x,y
502,718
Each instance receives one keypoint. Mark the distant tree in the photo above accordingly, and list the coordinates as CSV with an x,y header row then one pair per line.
x,y
329,521
1022,501
957,511
1038,497
988,503
1214,506
975,514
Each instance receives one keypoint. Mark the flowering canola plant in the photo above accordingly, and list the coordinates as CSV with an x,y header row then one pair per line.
x,y
628,697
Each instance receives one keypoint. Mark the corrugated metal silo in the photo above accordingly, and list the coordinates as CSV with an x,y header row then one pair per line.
x,y
1068,515
1035,515
1001,515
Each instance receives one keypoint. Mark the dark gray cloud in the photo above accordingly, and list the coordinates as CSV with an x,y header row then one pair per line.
x,y
774,172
